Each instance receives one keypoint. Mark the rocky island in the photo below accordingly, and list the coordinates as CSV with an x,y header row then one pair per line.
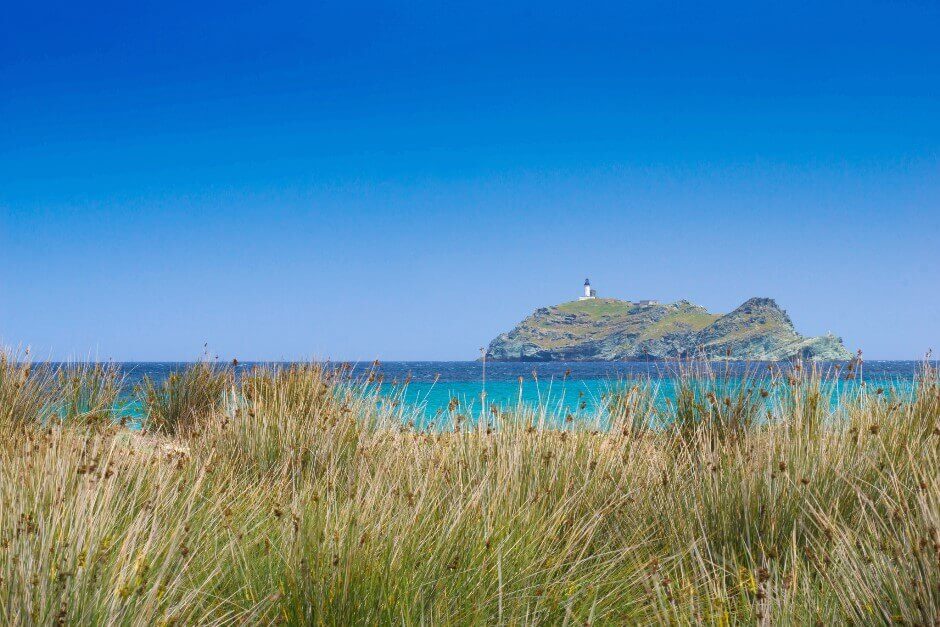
x,y
608,329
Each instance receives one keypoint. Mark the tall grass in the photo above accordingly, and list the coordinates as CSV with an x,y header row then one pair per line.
x,y
77,393
185,400
299,495
88,393
716,401
25,390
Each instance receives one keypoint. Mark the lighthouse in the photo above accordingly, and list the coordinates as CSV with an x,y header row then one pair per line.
x,y
589,292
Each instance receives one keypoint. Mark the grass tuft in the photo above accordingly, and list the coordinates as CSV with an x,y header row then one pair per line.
x,y
186,399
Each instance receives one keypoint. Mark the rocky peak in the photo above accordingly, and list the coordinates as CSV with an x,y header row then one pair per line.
x,y
760,308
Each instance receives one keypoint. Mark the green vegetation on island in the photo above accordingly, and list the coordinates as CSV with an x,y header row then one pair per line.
x,y
300,495
607,329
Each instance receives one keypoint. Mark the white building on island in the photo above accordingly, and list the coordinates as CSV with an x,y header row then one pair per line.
x,y
589,292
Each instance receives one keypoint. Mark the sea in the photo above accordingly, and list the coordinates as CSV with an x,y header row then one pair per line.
x,y
428,388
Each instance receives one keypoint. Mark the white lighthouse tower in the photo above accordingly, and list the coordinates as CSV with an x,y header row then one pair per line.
x,y
589,292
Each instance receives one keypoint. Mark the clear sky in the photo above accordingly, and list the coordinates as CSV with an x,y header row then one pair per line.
x,y
405,180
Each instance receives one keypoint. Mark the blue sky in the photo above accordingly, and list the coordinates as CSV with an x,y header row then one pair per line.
x,y
406,180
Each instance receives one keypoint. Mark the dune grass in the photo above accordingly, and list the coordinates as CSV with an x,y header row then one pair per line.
x,y
299,495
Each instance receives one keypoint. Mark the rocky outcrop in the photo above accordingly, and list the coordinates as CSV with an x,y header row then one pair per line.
x,y
606,329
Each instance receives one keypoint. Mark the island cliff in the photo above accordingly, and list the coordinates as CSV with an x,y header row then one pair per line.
x,y
607,329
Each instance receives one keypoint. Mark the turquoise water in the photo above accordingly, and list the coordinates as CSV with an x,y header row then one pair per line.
x,y
559,388
576,397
